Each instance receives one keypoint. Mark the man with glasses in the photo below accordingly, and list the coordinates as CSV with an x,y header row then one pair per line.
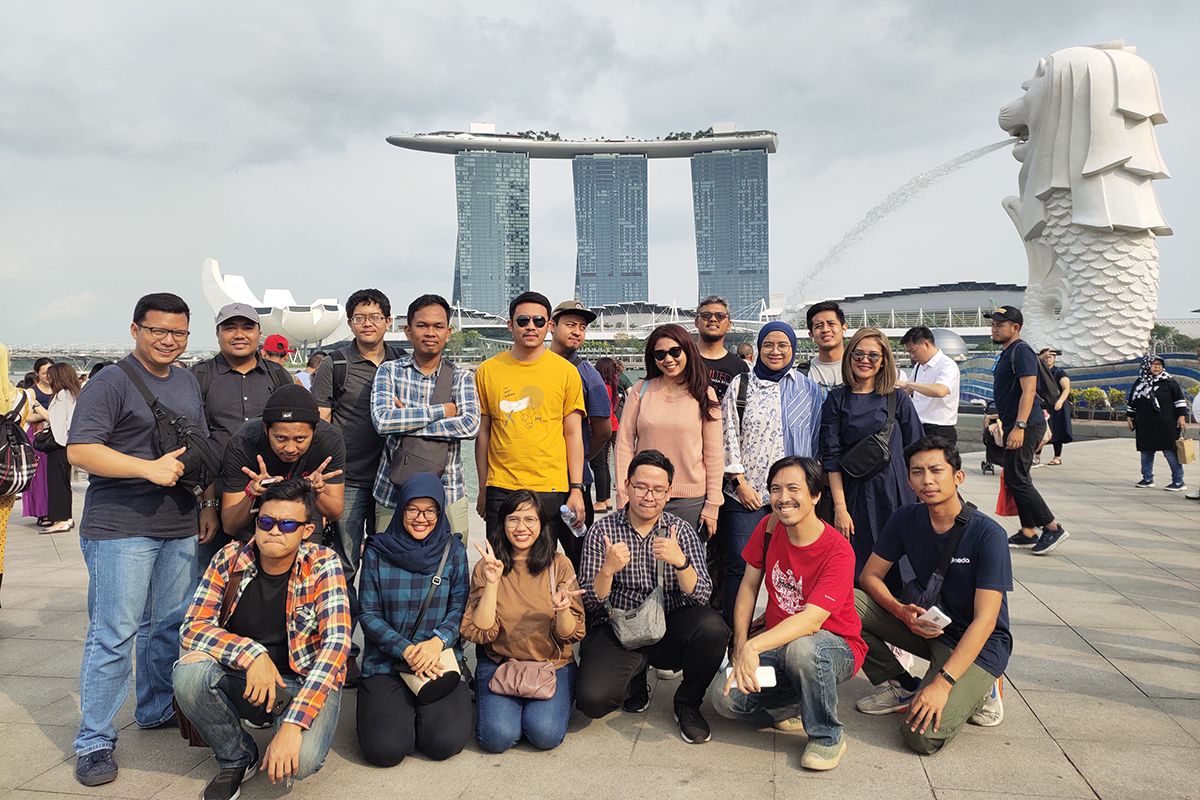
x,y
342,387
712,323
267,637
531,424
138,533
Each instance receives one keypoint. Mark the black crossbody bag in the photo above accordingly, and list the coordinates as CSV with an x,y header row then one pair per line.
x,y
869,456
930,594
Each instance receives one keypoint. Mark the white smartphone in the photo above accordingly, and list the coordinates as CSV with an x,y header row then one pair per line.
x,y
765,676
270,480
935,617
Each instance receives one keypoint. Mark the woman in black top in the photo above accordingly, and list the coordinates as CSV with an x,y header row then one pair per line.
x,y
1158,414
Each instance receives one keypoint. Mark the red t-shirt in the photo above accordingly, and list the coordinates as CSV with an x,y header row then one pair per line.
x,y
820,573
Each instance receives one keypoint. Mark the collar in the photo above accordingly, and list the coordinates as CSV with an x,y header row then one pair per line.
x,y
406,361
390,353
224,367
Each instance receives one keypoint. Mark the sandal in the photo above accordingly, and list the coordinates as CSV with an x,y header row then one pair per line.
x,y
1054,462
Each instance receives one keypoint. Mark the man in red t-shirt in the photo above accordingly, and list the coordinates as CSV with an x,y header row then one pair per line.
x,y
813,638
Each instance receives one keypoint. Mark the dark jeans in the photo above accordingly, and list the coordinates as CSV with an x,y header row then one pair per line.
x,y
391,724
551,502
694,642
58,485
948,432
602,473
738,525
1031,508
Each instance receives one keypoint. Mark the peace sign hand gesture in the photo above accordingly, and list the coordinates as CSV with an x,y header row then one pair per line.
x,y
563,596
493,567
317,477
666,548
256,486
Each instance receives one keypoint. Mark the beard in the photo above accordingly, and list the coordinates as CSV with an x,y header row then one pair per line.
x,y
711,338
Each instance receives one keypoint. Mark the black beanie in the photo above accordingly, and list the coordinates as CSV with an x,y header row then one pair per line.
x,y
291,403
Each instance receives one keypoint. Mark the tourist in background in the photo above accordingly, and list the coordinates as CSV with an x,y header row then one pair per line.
x,y
277,348
610,373
745,351
827,329
304,376
10,400
713,322
932,385
36,497
64,383
851,413
1195,494
1060,413
675,411
524,606
1157,413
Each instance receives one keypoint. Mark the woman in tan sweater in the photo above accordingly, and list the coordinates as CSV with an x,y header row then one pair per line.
x,y
674,411
524,605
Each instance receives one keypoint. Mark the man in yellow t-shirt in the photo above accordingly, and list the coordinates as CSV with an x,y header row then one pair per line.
x,y
531,413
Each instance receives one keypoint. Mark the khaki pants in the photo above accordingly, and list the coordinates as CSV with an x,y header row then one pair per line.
x,y
966,696
456,512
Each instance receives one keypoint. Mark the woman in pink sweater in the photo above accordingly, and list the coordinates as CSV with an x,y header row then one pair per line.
x,y
674,411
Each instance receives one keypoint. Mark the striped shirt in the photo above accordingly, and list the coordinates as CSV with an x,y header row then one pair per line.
x,y
318,622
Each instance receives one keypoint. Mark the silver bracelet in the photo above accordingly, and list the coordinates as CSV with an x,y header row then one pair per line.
x,y
210,504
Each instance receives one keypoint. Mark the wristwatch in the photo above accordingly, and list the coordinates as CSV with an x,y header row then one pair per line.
x,y
687,562
949,678
578,486
1021,425
210,504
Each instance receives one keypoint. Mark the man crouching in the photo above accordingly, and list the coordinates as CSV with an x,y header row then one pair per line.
x,y
267,637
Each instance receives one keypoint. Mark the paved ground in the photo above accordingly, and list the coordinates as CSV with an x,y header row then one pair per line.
x,y
1103,696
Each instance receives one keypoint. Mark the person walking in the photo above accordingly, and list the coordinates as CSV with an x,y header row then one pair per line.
x,y
1157,414
610,373
933,385
1060,413
64,383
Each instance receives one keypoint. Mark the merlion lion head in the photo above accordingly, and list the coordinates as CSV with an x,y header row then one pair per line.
x,y
1085,124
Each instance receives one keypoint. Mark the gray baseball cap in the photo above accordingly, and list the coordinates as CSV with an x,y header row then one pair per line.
x,y
235,310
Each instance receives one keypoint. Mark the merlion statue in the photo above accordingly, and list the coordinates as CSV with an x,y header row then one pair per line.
x,y
1087,212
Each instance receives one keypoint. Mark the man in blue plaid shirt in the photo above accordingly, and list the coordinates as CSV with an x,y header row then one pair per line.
x,y
402,405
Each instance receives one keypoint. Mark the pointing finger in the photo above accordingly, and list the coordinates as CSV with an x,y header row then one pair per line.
x,y
262,466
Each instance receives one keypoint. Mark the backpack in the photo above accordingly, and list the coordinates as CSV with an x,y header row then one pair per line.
x,y
18,460
1047,389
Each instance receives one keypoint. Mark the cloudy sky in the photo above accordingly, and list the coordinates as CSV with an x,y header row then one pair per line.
x,y
138,138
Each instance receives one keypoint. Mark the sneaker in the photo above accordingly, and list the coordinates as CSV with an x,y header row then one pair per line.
x,y
1019,541
639,696
1193,495
891,698
789,725
823,757
227,785
693,727
1175,487
991,713
96,768
1050,540
1144,484
668,674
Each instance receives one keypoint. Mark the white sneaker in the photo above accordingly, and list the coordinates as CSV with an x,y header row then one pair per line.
x,y
1193,495
668,674
889,699
992,712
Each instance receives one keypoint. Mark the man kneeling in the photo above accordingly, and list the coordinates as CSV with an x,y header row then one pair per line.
x,y
267,637
960,570
812,640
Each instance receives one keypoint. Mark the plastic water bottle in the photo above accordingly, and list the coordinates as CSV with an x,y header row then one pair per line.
x,y
574,523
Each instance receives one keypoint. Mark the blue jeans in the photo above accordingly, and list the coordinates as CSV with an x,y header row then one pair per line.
x,y
207,707
356,524
1172,462
807,671
502,721
137,587
740,523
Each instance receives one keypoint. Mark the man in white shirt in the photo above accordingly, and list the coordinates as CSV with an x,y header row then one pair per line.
x,y
933,384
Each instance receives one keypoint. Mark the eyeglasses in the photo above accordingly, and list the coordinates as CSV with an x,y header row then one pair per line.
x,y
861,355
359,319
412,512
162,333
674,352
266,523
719,316
642,491
513,521
771,347
522,321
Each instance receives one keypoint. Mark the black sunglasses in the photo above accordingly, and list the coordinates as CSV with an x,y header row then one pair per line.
x,y
711,315
538,322
266,523
674,352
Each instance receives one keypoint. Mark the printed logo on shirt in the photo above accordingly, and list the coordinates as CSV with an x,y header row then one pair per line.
x,y
789,590
522,408
963,560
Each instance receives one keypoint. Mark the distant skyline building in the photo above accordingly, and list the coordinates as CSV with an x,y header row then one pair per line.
x,y
491,259
610,228
729,202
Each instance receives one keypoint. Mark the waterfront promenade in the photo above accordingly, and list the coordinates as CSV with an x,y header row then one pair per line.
x,y
1102,698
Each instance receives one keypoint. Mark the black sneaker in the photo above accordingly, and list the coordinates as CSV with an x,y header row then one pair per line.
x,y
1019,541
96,768
639,696
693,727
227,785
1050,540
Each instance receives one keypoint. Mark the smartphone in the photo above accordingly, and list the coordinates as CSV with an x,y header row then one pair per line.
x,y
764,675
269,481
935,617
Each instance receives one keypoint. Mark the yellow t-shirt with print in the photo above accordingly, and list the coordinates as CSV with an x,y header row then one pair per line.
x,y
527,403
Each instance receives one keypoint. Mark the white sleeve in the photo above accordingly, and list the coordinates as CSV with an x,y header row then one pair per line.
x,y
62,409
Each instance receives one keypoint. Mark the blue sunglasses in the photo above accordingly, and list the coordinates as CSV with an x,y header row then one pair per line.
x,y
266,523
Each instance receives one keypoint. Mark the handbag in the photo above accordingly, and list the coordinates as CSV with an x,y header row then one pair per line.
x,y
930,594
531,680
431,689
870,455
187,730
44,441
420,454
18,460
1186,449
1006,502
644,625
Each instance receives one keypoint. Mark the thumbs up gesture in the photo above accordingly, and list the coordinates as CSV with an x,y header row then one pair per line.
x,y
167,469
667,549
616,556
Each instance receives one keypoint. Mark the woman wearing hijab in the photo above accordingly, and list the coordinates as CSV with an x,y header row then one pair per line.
x,y
398,568
781,416
10,400
1158,415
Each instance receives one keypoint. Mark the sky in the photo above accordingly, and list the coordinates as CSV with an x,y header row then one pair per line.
x,y
139,138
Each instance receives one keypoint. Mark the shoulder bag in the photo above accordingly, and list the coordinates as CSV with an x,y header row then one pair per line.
x,y
870,455
18,461
430,690
930,594
531,680
418,453
644,625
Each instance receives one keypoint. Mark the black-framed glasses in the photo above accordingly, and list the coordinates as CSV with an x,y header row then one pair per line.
x,y
412,512
360,319
266,523
642,491
862,355
522,321
162,333
673,352
719,316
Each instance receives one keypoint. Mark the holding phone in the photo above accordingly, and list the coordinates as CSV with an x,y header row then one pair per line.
x,y
935,617
764,675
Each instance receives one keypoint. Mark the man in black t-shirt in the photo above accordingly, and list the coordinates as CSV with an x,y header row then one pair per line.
x,y
713,321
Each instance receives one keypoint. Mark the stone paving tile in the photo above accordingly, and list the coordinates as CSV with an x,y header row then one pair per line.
x,y
21,697
1069,715
1149,645
1161,678
1135,771
1185,712
40,657
41,747
1028,767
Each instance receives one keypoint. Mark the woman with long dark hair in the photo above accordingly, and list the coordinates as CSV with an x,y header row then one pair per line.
x,y
36,498
524,606
610,373
674,411
64,386
1157,413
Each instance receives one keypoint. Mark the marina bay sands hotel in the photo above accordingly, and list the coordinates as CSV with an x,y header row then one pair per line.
x,y
491,175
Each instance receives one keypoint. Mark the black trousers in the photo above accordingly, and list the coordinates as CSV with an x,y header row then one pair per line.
x,y
551,502
1031,508
58,485
945,431
603,475
391,724
694,642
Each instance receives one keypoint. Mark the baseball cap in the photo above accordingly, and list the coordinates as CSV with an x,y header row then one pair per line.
x,y
291,403
277,344
235,310
1006,314
574,307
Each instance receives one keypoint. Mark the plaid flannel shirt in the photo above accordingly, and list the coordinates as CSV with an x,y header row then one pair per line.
x,y
633,584
400,379
318,622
